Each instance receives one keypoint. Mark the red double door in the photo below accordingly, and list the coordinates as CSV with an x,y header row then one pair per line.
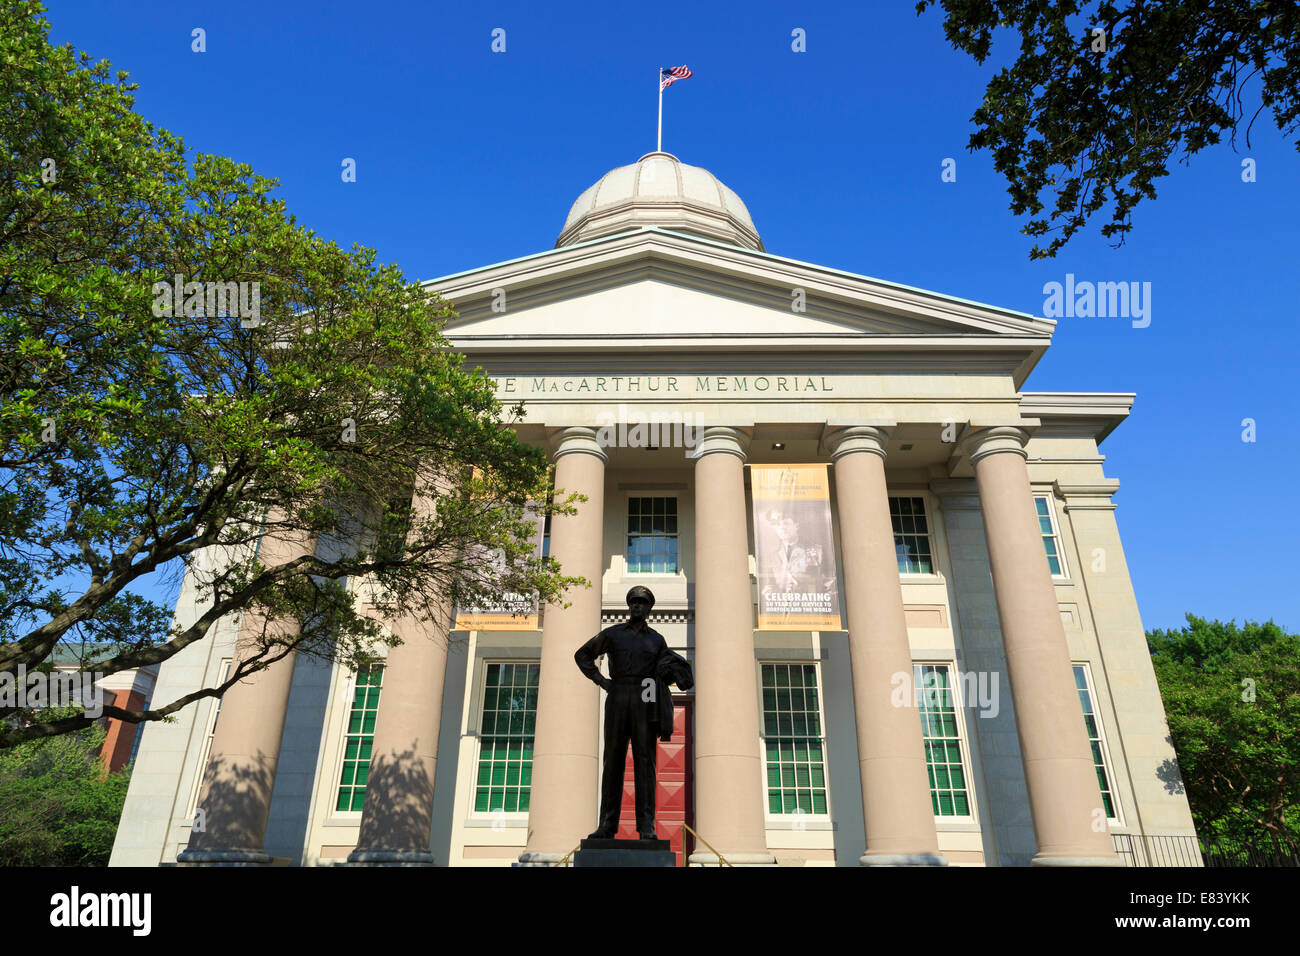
x,y
673,797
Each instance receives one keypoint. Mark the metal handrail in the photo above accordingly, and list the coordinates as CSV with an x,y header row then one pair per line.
x,y
708,844
565,860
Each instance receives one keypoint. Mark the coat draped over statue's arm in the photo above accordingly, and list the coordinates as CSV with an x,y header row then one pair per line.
x,y
671,668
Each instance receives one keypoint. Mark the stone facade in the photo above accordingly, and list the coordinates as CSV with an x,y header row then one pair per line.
x,y
903,393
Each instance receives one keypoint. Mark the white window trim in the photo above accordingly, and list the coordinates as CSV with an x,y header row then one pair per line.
x,y
920,576
349,693
1056,533
1108,762
778,821
509,817
963,741
205,749
627,508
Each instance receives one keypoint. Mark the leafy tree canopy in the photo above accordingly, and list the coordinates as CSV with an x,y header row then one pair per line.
x,y
291,386
1103,95
57,805
1232,699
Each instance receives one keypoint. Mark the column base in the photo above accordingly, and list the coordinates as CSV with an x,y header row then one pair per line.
x,y
224,858
1076,861
390,858
542,859
902,859
706,858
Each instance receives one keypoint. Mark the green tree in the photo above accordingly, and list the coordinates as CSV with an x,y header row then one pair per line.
x,y
141,430
1232,699
1103,95
57,806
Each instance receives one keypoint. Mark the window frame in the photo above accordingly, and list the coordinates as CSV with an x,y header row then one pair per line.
x,y
1057,534
1108,762
778,820
205,748
474,813
341,758
957,689
676,535
928,514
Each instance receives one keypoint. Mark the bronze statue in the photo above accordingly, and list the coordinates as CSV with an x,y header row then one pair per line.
x,y
638,708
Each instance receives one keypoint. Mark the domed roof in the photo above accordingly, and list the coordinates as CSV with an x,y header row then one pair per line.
x,y
660,190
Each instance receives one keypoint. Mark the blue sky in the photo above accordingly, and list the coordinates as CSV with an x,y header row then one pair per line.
x,y
467,157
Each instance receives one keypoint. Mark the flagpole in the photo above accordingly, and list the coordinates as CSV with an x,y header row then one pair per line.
x,y
659,144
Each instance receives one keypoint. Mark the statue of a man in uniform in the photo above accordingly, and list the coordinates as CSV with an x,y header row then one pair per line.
x,y
638,708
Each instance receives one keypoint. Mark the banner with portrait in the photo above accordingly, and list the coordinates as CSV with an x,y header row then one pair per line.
x,y
794,550
512,611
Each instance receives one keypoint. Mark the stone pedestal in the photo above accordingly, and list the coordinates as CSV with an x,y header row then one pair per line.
x,y
624,853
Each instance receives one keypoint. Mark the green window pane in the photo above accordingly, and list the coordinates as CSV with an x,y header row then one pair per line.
x,y
360,737
506,738
796,776
939,728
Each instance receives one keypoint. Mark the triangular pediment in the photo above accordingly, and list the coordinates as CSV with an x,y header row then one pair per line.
x,y
653,283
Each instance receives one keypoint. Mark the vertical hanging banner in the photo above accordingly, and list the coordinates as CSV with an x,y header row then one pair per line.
x,y
513,611
794,551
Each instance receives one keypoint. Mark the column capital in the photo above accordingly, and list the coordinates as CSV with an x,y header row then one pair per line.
x,y
722,438
854,438
982,442
577,439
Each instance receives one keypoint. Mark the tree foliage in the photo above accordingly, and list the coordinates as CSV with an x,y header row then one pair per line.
x,y
139,434
1085,120
1232,699
57,805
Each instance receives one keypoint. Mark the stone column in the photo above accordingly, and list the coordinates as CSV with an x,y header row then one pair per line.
x,y
896,803
240,776
563,804
398,812
1064,799
728,772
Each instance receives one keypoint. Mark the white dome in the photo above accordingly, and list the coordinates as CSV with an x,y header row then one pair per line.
x,y
660,190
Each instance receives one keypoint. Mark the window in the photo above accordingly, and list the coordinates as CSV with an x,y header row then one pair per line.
x,y
943,758
792,732
652,535
911,535
206,748
1051,535
1095,740
505,761
359,738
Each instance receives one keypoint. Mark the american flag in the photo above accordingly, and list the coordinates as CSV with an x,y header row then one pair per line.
x,y
670,75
